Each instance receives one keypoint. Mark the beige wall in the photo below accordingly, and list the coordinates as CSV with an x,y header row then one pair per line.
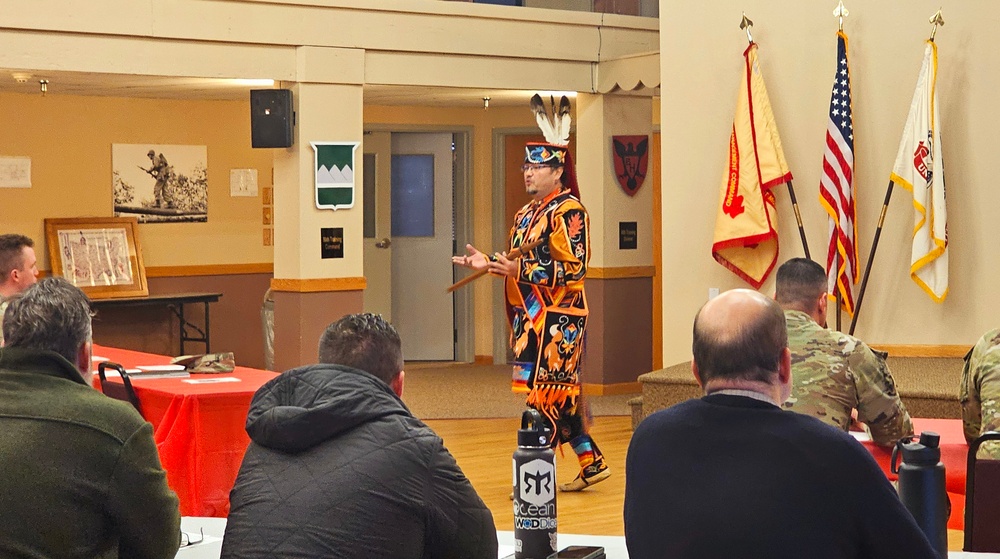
x,y
797,55
69,138
599,118
446,43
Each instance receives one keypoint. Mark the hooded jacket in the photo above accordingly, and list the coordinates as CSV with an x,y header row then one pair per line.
x,y
339,467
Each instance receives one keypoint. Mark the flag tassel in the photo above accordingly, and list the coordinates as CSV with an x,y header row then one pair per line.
x,y
871,258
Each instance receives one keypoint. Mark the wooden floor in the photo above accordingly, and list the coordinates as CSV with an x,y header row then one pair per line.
x,y
483,449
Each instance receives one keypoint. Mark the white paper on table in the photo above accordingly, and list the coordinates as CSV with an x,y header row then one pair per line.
x,y
863,436
212,380
159,368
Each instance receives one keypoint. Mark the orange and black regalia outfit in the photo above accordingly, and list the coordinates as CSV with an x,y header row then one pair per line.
x,y
547,308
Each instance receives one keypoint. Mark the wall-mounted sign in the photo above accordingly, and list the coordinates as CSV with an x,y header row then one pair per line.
x,y
628,235
630,156
331,242
334,174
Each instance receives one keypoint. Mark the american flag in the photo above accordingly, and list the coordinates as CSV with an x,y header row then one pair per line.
x,y
836,185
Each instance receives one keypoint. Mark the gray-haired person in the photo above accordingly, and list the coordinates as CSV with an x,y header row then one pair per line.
x,y
80,475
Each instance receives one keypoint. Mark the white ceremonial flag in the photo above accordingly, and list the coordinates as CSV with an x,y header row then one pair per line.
x,y
919,168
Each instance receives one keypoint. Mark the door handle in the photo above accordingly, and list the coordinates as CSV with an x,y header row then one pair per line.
x,y
384,243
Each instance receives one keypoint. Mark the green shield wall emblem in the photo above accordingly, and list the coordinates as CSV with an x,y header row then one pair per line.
x,y
334,174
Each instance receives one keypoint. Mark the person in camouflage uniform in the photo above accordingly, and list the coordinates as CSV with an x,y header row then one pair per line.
x,y
833,373
979,392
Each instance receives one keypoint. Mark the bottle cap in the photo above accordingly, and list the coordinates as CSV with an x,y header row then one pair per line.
x,y
924,452
533,432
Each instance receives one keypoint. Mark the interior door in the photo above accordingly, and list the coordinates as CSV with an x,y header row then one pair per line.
x,y
377,171
422,223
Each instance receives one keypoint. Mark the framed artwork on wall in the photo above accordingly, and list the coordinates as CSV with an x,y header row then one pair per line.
x,y
100,255
160,183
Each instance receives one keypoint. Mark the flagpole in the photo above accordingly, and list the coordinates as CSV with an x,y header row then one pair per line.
x,y
871,257
798,218
746,24
840,12
836,286
936,21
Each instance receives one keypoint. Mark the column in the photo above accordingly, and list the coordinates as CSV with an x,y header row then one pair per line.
x,y
310,291
619,279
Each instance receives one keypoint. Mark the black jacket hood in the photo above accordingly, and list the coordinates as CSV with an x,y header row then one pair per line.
x,y
303,407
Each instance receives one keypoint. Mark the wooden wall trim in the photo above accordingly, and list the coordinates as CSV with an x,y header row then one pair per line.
x,y
913,350
612,389
622,272
209,270
319,284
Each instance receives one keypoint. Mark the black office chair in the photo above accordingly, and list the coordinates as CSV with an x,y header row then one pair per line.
x,y
982,499
130,395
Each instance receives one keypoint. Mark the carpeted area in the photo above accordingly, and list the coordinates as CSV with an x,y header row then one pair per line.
x,y
465,391
927,385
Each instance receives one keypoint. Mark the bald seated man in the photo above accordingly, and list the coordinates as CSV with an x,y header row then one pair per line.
x,y
733,475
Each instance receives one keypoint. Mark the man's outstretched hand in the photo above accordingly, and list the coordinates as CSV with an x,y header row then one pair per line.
x,y
475,259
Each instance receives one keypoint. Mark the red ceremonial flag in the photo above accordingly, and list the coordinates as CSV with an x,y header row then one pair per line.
x,y
746,236
836,185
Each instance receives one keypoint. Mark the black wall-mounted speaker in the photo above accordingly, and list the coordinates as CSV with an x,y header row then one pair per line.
x,y
272,118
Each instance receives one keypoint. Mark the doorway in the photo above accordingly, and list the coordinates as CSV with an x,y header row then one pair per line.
x,y
416,183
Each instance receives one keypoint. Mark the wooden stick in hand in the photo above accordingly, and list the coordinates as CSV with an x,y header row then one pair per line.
x,y
514,253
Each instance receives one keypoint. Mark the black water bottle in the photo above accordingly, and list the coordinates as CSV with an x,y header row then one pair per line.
x,y
534,489
922,486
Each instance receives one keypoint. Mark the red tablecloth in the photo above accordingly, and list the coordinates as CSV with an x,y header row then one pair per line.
x,y
954,451
199,429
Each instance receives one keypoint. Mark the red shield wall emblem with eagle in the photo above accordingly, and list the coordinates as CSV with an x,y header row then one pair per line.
x,y
630,154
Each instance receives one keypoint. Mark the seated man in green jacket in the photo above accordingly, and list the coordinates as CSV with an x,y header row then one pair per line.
x,y
79,472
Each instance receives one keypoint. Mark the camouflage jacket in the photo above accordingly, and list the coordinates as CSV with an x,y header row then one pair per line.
x,y
833,373
979,392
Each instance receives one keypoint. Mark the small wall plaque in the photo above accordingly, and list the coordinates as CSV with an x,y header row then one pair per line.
x,y
332,242
628,235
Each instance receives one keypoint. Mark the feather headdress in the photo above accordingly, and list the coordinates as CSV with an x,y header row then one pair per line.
x,y
555,128
555,150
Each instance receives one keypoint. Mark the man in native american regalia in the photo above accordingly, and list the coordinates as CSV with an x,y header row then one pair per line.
x,y
544,292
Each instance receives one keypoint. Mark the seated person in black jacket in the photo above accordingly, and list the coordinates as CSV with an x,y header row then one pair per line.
x,y
733,475
339,467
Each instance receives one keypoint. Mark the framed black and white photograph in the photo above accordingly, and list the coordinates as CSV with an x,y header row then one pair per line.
x,y
160,183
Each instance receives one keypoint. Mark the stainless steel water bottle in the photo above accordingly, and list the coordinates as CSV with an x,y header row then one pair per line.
x,y
922,486
534,489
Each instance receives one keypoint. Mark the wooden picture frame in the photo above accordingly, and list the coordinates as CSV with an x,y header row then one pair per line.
x,y
100,255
